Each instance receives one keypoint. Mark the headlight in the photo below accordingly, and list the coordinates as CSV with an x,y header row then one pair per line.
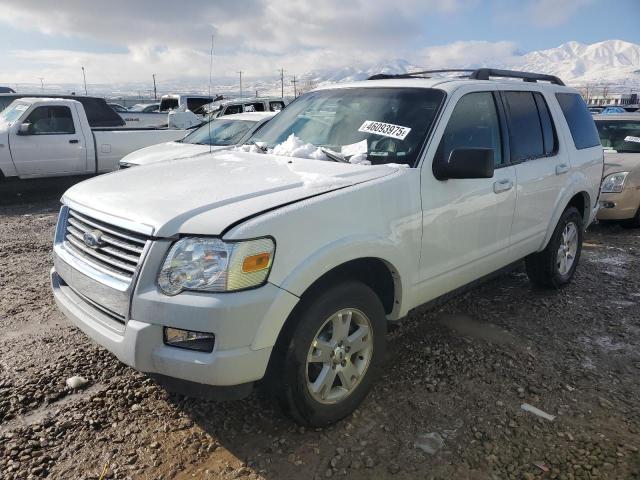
x,y
614,183
211,265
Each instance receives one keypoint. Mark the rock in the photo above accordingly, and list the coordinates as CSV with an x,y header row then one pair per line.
x,y
76,382
429,442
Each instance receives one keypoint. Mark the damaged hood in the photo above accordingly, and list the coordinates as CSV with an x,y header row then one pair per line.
x,y
168,151
206,194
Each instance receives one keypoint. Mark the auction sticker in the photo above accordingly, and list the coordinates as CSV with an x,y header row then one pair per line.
x,y
384,129
632,139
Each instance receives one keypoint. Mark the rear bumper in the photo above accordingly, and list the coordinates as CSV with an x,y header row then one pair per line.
x,y
140,344
619,206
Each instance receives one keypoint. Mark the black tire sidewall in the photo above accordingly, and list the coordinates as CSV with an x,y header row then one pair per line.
x,y
309,319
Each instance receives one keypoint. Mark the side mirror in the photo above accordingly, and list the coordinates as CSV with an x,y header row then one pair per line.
x,y
25,129
466,163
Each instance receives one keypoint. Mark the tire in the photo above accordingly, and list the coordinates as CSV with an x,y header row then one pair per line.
x,y
295,378
545,268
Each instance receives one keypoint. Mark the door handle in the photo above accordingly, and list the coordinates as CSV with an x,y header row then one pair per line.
x,y
502,185
73,141
562,168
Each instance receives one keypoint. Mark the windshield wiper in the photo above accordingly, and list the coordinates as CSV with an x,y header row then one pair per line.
x,y
333,155
263,148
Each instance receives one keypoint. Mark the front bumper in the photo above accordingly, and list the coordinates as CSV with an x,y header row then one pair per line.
x,y
619,206
139,342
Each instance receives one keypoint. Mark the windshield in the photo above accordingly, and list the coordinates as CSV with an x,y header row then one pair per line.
x,y
387,125
620,135
220,132
13,112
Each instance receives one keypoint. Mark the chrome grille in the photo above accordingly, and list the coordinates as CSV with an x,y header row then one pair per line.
x,y
120,250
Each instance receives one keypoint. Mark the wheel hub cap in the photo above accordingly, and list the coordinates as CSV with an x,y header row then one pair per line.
x,y
568,248
339,356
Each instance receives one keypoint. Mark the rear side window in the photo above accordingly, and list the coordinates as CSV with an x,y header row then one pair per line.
x,y
474,123
583,129
99,114
195,103
232,109
276,106
525,131
549,136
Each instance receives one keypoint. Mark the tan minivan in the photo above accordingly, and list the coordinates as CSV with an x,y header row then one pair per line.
x,y
620,194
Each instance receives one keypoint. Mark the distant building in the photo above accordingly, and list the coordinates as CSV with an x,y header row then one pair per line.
x,y
613,99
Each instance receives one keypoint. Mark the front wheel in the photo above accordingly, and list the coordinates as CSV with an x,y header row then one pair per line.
x,y
334,354
555,265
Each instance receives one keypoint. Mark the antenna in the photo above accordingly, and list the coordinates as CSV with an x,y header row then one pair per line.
x,y
210,77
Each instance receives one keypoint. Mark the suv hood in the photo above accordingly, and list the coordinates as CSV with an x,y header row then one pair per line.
x,y
206,194
167,151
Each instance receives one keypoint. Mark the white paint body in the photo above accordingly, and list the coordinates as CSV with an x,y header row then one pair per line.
x,y
84,152
434,236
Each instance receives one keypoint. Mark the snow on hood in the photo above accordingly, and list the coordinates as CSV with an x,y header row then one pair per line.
x,y
168,151
204,195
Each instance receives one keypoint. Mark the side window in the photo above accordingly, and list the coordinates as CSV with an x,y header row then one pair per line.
x,y
276,106
231,109
525,132
474,123
51,121
195,103
581,124
549,135
254,107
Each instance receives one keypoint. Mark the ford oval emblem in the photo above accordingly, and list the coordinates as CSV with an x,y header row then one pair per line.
x,y
93,239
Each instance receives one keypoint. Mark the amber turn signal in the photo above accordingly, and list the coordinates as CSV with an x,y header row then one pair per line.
x,y
255,263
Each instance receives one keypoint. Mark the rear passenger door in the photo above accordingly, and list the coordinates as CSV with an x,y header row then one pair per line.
x,y
534,150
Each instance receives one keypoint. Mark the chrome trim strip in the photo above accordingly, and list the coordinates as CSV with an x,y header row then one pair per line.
x,y
133,226
105,227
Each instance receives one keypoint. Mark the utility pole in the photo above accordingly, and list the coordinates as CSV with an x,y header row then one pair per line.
x,y
295,90
282,82
84,77
155,92
42,84
240,72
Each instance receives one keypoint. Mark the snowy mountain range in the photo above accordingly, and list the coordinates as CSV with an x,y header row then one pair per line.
x,y
614,62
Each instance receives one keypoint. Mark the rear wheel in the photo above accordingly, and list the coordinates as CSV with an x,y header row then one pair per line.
x,y
556,264
333,355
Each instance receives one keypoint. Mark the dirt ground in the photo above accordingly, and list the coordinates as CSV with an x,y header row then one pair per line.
x,y
448,405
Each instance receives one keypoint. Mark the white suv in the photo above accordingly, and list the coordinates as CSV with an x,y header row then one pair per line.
x,y
354,205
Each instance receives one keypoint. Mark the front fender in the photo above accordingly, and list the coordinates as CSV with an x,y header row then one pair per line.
x,y
325,259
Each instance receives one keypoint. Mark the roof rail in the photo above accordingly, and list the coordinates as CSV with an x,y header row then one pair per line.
x,y
476,74
487,73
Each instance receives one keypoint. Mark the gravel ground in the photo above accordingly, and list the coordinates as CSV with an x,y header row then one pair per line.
x,y
447,406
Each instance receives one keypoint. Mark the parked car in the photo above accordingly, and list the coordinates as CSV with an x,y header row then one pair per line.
x,y
612,111
219,134
191,102
46,137
595,110
145,107
620,195
358,203
221,108
117,107
7,90
99,114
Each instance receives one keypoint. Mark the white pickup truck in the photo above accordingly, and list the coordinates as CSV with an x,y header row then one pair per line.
x,y
46,137
354,205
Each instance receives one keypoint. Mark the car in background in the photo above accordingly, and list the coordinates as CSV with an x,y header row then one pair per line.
x,y
595,110
218,134
117,107
221,108
192,102
620,191
7,90
612,111
144,108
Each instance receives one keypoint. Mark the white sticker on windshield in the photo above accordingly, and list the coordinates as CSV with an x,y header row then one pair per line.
x,y
354,148
384,129
632,139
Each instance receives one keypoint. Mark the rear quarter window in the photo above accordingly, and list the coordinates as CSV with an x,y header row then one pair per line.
x,y
581,124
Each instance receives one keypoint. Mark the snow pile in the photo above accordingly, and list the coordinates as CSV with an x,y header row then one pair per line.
x,y
251,148
359,159
294,147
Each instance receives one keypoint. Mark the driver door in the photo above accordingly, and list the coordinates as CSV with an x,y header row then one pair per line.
x,y
466,222
52,146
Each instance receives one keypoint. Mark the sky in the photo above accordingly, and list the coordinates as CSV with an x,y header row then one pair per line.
x,y
127,41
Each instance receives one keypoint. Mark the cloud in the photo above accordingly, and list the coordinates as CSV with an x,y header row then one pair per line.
x,y
552,13
469,54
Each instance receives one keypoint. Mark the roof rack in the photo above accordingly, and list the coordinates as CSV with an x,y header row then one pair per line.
x,y
476,74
